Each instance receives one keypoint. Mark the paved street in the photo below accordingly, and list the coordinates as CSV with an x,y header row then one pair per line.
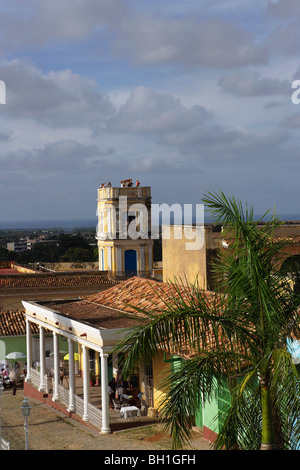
x,y
51,430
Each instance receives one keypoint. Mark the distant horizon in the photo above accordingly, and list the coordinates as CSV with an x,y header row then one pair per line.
x,y
47,224
65,224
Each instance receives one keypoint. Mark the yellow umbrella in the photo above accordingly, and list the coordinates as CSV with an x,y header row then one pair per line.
x,y
76,357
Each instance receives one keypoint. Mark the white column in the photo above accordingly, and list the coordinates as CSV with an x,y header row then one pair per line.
x,y
97,363
141,264
42,386
105,429
150,258
99,258
56,365
71,407
119,260
86,383
28,350
109,264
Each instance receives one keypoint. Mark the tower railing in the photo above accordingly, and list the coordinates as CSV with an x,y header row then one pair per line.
x,y
113,193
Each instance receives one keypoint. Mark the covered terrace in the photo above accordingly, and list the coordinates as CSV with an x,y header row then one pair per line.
x,y
91,327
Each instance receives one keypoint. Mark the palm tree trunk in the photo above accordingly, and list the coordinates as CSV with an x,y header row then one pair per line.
x,y
268,434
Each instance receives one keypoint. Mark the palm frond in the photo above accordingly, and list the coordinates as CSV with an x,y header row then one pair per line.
x,y
184,390
285,389
241,421
245,325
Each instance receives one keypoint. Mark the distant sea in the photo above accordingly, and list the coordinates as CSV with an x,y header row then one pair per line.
x,y
48,224
73,224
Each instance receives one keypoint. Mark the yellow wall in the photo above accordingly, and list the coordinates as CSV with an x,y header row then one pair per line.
x,y
180,262
125,245
161,370
186,253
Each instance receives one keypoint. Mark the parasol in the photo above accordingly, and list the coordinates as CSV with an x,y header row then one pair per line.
x,y
76,357
61,353
15,355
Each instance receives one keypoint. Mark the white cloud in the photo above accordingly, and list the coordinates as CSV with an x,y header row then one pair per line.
x,y
35,23
283,9
212,42
150,112
192,130
67,156
246,83
56,99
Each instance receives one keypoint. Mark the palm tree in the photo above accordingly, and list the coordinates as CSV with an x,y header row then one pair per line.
x,y
235,336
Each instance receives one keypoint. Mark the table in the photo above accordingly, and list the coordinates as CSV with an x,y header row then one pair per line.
x,y
129,411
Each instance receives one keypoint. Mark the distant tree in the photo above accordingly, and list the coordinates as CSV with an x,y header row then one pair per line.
x,y
67,241
6,255
25,257
44,252
78,254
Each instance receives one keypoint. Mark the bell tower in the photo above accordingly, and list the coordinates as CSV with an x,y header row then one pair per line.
x,y
123,233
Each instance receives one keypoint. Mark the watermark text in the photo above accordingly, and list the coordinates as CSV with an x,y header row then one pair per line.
x,y
137,221
2,92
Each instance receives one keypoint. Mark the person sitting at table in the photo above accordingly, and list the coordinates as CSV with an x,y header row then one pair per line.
x,y
120,389
112,392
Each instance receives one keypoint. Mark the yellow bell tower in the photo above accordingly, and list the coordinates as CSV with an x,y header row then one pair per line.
x,y
123,232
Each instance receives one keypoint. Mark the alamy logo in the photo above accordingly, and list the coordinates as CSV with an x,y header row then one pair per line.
x,y
139,222
2,92
295,96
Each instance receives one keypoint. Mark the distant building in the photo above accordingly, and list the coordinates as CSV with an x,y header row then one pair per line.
x,y
27,244
188,265
124,223
19,283
18,247
185,260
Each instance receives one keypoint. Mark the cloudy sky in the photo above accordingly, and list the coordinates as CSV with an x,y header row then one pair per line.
x,y
188,96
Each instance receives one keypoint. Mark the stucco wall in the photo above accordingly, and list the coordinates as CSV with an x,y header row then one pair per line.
x,y
79,266
187,251
160,370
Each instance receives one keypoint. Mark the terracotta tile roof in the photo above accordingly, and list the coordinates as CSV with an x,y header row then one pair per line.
x,y
11,267
13,323
8,271
54,280
292,240
108,309
151,295
136,292
116,306
98,315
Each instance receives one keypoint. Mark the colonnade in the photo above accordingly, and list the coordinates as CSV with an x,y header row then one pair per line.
x,y
105,427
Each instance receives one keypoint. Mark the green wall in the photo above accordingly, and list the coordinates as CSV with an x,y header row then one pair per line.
x,y
208,413
12,344
175,366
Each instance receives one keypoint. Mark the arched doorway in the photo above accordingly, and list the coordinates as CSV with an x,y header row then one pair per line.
x,y
130,261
